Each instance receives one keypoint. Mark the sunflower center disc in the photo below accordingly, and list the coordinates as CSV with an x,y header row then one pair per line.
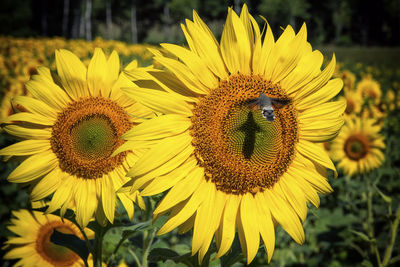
x,y
52,253
356,147
238,148
85,135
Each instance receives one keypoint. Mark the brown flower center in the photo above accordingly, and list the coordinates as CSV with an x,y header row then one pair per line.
x,y
52,253
85,135
350,106
356,146
239,149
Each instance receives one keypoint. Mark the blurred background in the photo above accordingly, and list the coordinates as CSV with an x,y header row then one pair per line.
x,y
338,22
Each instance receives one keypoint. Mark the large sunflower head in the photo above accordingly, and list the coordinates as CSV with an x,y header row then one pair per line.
x,y
237,144
71,127
358,147
32,243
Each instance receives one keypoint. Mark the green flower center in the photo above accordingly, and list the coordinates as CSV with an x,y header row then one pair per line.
x,y
85,135
93,137
239,149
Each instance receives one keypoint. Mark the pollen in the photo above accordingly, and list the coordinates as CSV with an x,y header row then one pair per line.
x,y
85,135
238,148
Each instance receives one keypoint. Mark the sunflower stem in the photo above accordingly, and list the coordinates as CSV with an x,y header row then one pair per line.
x,y
393,231
370,222
98,246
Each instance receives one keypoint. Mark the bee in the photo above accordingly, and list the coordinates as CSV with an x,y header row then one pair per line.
x,y
266,103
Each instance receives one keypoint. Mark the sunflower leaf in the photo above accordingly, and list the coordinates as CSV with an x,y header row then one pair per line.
x,y
72,242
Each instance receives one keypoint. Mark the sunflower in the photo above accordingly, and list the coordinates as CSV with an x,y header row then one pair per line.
x,y
32,244
358,147
348,80
71,126
353,103
368,88
228,167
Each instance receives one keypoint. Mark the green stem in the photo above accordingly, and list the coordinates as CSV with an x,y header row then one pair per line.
x,y
393,231
98,246
147,241
135,257
370,222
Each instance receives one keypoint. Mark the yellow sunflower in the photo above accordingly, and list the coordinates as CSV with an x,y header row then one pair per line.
x,y
348,80
226,165
358,147
72,125
368,88
353,102
32,244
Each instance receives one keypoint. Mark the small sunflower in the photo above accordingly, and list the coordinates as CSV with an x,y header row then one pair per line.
x,y
32,244
368,88
348,80
353,103
228,167
358,147
72,125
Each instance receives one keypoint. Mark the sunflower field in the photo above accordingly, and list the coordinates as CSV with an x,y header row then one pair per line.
x,y
245,147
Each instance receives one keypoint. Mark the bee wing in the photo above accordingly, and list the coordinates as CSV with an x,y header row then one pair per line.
x,y
281,101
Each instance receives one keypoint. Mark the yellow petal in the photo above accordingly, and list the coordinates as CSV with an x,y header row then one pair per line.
x,y
27,147
228,224
157,101
159,128
47,185
27,133
85,200
316,153
249,221
164,182
72,73
285,216
108,197
29,117
182,190
63,195
195,64
97,74
48,92
36,106
294,196
33,167
185,209
267,229
160,154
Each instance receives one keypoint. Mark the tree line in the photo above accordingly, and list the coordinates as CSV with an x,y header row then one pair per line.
x,y
339,22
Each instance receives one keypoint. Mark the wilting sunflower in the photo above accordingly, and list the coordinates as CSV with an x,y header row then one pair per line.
x,y
226,165
368,88
72,125
358,147
32,244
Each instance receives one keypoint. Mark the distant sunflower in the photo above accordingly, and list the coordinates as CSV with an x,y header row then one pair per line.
x,y
32,244
72,125
353,103
358,147
348,80
228,167
368,88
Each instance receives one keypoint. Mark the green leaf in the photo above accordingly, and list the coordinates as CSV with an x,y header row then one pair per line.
x,y
362,235
384,197
72,242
